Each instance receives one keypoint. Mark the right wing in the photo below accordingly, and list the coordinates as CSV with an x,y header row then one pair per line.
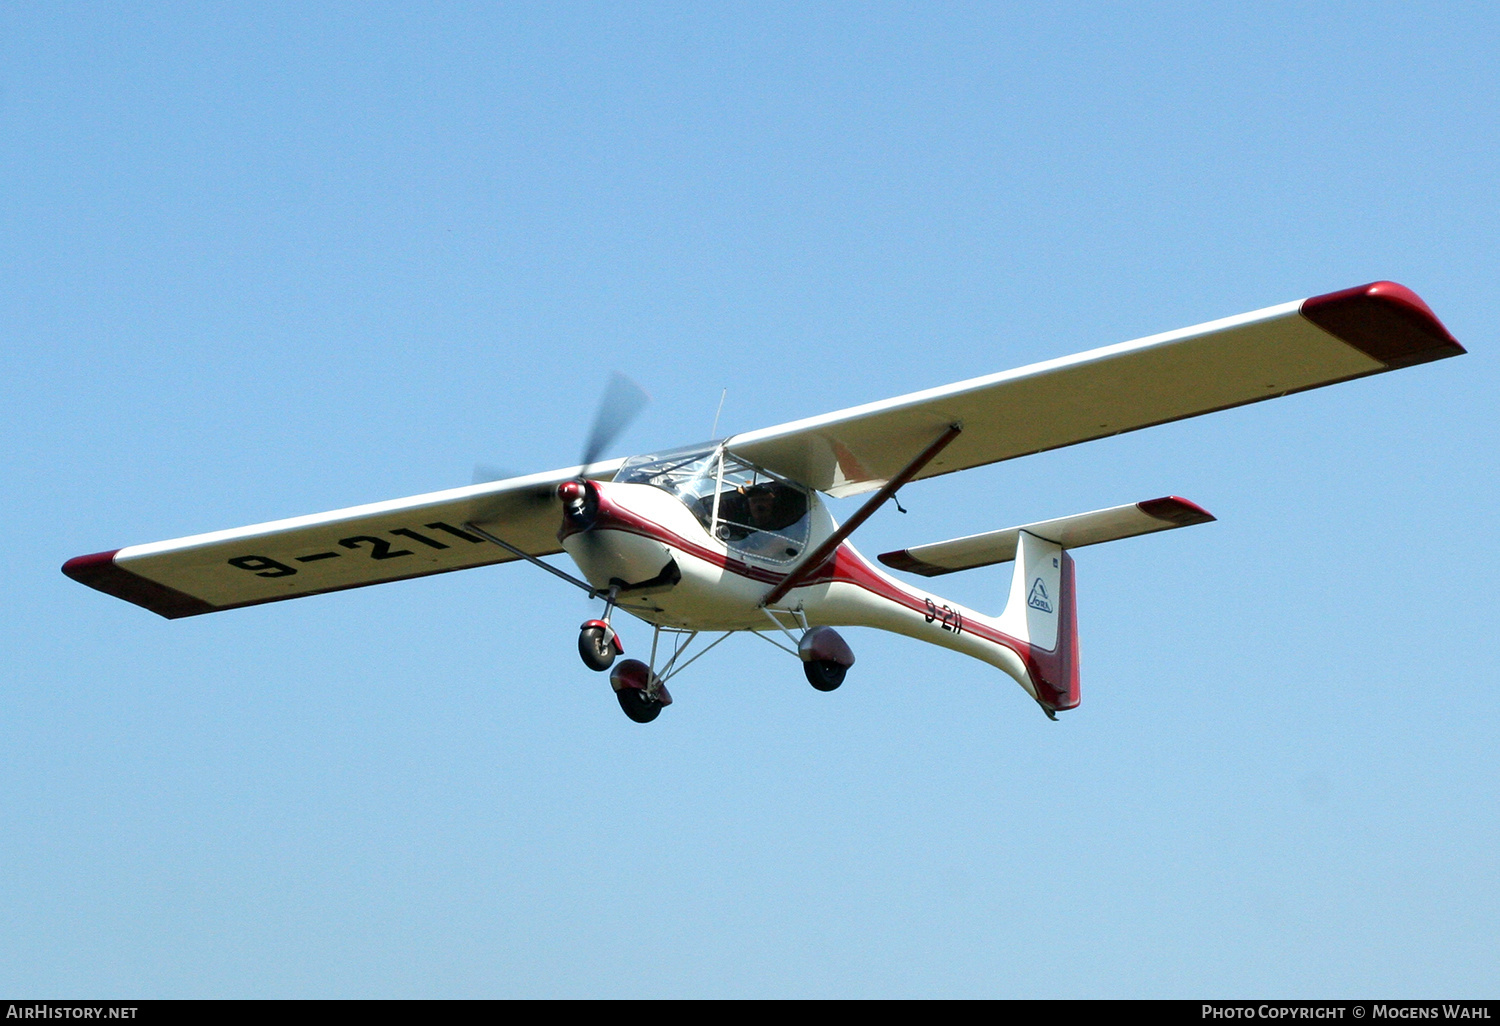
x,y
1238,360
347,548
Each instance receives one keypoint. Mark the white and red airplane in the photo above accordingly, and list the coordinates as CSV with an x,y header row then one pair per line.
x,y
731,535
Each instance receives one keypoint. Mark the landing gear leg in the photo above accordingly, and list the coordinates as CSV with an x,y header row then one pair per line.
x,y
598,644
597,647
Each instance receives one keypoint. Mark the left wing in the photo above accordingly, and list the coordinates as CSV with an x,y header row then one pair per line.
x,y
1238,360
347,548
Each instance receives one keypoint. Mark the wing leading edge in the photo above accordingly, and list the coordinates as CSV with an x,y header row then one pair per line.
x,y
346,548
1260,355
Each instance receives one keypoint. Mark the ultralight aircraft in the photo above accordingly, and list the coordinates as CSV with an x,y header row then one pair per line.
x,y
731,535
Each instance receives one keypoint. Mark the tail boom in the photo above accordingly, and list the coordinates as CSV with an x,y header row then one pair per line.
x,y
1041,655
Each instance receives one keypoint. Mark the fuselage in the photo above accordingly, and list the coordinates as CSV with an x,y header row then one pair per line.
x,y
673,571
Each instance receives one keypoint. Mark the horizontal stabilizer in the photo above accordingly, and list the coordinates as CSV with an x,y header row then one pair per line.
x,y
1073,532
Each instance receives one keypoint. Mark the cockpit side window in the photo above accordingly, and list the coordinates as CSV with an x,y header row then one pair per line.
x,y
764,519
754,512
760,515
762,507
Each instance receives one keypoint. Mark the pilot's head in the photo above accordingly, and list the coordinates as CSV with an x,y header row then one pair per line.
x,y
762,502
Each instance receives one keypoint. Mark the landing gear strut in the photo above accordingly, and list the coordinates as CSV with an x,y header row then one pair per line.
x,y
825,655
641,688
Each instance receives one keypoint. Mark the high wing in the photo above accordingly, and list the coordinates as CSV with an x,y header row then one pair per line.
x,y
347,548
1261,355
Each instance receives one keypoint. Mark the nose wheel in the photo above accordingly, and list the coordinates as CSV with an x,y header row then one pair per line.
x,y
598,645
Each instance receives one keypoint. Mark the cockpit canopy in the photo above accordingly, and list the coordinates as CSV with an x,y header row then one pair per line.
x,y
754,512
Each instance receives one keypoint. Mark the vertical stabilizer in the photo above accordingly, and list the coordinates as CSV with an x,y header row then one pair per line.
x,y
1041,613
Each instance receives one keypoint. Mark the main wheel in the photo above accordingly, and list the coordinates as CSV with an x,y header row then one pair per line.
x,y
596,648
637,706
824,674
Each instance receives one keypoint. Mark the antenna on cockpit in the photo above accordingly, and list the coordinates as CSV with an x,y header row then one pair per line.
x,y
715,431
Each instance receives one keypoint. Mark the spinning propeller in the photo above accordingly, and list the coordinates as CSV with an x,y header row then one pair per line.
x,y
622,401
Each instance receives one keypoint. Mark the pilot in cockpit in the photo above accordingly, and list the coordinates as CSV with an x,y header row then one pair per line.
x,y
766,509
761,500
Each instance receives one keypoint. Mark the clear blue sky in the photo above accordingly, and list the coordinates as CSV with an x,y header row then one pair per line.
x,y
263,260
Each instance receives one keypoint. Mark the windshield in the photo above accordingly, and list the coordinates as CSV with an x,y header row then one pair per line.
x,y
689,474
755,513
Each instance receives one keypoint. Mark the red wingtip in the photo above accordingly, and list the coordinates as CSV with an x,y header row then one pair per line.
x,y
1385,321
1176,510
99,571
85,568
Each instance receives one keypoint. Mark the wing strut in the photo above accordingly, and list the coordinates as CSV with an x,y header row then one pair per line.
x,y
533,559
822,552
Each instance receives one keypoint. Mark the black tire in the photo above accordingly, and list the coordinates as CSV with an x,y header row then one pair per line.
x,y
824,675
596,648
637,706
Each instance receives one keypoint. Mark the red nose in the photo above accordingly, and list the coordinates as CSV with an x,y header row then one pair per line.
x,y
571,491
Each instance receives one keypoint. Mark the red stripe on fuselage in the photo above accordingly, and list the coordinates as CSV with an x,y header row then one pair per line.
x,y
846,567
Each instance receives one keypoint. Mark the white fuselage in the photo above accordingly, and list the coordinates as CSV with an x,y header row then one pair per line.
x,y
640,531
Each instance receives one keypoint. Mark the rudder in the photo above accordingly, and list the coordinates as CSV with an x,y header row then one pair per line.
x,y
1041,613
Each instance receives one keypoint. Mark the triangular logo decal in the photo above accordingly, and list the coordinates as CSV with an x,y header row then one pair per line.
x,y
1039,599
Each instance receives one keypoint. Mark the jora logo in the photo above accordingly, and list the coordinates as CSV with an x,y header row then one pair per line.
x,y
1039,599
